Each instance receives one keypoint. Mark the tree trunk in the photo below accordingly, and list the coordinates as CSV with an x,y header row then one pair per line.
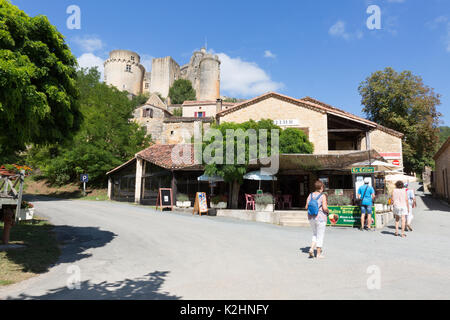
x,y
235,194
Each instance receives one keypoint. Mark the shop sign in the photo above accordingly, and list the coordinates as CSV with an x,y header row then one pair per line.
x,y
363,170
347,216
286,122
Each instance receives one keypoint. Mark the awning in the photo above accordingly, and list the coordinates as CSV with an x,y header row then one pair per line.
x,y
380,166
207,178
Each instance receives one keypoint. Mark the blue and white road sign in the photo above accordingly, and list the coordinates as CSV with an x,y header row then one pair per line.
x,y
84,178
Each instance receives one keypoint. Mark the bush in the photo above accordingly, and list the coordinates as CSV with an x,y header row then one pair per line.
x,y
382,199
335,200
217,199
264,199
182,197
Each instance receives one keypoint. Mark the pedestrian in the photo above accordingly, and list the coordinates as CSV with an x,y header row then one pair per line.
x,y
412,204
317,207
401,206
366,194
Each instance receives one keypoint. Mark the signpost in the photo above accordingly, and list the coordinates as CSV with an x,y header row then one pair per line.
x,y
84,178
396,162
201,204
347,216
164,199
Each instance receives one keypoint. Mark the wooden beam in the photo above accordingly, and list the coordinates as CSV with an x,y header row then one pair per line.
x,y
344,130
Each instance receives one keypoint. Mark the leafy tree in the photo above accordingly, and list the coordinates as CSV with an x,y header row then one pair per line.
x,y
444,134
178,112
233,173
181,91
38,92
106,139
402,102
295,141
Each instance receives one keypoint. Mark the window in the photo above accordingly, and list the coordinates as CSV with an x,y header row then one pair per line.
x,y
148,113
132,58
146,85
200,114
128,68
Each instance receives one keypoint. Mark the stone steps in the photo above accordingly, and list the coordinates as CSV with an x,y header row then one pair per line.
x,y
288,219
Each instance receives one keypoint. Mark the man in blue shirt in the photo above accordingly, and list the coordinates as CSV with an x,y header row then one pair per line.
x,y
367,194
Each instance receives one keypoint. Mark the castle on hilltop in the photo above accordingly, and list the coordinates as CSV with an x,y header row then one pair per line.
x,y
123,70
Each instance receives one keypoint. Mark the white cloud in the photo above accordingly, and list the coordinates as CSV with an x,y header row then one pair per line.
x,y
89,60
245,79
89,43
437,23
338,30
269,54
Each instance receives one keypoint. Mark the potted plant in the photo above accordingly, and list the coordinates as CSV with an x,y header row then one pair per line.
x,y
219,202
339,201
183,201
381,203
264,202
26,211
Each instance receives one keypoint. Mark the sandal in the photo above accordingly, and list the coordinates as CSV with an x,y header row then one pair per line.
x,y
403,235
396,234
311,254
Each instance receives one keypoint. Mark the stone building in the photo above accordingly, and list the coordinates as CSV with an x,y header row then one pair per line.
x,y
440,175
124,71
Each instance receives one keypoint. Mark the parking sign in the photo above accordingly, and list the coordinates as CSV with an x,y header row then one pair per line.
x,y
84,178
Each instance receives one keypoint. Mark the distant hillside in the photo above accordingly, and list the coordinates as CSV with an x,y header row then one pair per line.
x,y
444,134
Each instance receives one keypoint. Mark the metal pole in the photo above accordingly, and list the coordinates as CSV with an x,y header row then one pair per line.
x,y
19,198
84,189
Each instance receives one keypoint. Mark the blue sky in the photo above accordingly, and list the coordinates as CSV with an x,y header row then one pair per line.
x,y
321,49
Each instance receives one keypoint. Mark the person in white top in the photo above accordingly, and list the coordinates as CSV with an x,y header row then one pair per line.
x,y
412,204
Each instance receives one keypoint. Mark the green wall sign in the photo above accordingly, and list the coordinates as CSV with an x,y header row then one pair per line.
x,y
363,170
348,216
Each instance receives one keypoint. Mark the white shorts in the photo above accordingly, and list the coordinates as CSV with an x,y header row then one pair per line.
x,y
400,211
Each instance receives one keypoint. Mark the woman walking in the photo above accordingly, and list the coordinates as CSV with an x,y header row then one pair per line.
x,y
401,206
317,215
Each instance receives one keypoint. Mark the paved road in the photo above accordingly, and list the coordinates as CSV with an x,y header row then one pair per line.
x,y
124,251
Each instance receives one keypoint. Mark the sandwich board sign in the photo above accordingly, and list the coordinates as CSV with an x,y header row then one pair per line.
x,y
164,199
201,204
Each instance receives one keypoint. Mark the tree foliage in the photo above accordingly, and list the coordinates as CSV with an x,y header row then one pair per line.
x,y
291,141
181,91
106,139
402,102
38,92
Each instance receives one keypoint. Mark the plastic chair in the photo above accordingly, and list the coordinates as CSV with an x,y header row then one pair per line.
x,y
249,200
287,199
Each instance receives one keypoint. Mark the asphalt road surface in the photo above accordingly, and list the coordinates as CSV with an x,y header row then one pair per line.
x,y
122,251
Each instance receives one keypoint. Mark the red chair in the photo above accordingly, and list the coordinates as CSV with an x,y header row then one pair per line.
x,y
287,200
249,200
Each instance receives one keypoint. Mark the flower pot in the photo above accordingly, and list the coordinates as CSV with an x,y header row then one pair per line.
x,y
379,207
264,207
26,214
183,204
220,205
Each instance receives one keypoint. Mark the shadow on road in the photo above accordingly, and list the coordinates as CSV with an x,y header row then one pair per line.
x,y
143,288
433,204
76,240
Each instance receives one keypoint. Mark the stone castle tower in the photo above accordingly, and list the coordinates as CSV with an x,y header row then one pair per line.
x,y
124,71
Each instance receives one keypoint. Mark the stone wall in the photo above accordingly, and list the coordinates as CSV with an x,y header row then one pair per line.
x,y
210,109
164,73
385,143
179,132
441,174
276,109
154,125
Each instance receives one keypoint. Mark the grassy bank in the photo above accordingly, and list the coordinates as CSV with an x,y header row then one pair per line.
x,y
70,191
40,252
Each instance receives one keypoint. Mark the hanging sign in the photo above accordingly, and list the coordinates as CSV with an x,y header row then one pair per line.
x,y
164,199
363,170
201,203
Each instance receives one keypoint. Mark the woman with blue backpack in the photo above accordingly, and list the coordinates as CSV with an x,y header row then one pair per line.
x,y
317,215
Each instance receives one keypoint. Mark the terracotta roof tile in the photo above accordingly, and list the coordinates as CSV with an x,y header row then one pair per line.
x,y
161,155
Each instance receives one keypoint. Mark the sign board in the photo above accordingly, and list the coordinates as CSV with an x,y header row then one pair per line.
x,y
347,216
164,199
201,203
363,170
84,178
396,162
286,122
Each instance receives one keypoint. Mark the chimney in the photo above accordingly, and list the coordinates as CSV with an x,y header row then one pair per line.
x,y
218,105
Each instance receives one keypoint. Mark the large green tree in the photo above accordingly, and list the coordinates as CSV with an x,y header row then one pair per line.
x,y
401,101
290,141
38,92
181,91
106,138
